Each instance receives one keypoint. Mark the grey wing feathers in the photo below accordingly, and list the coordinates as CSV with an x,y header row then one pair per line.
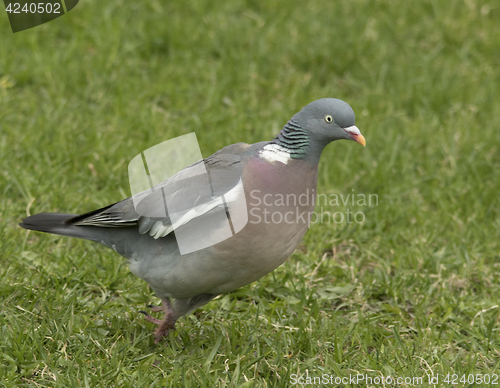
x,y
187,189
119,214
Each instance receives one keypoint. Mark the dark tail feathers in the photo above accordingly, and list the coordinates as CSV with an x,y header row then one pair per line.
x,y
55,223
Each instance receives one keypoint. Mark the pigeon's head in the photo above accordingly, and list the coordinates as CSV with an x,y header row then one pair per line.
x,y
329,119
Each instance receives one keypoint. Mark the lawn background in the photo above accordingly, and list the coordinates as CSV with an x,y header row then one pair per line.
x,y
412,292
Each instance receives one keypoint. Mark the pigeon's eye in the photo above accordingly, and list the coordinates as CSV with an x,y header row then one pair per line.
x,y
329,119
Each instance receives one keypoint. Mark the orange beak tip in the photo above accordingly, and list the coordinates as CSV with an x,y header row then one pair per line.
x,y
361,140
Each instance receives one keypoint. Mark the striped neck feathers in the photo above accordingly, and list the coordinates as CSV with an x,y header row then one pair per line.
x,y
293,140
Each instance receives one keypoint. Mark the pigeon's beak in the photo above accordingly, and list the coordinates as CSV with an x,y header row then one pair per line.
x,y
360,139
356,135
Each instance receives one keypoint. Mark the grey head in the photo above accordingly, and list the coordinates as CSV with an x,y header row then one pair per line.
x,y
329,119
317,124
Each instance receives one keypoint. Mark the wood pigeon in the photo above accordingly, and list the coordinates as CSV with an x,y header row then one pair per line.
x,y
265,192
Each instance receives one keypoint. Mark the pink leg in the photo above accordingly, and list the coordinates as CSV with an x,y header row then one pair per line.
x,y
164,325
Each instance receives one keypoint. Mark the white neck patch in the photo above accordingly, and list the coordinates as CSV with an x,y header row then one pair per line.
x,y
275,153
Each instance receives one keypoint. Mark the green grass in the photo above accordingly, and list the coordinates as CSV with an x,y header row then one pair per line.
x,y
414,291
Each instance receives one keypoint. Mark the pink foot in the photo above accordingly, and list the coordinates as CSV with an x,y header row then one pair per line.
x,y
166,324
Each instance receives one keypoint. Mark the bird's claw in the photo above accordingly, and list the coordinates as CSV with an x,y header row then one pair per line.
x,y
166,324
